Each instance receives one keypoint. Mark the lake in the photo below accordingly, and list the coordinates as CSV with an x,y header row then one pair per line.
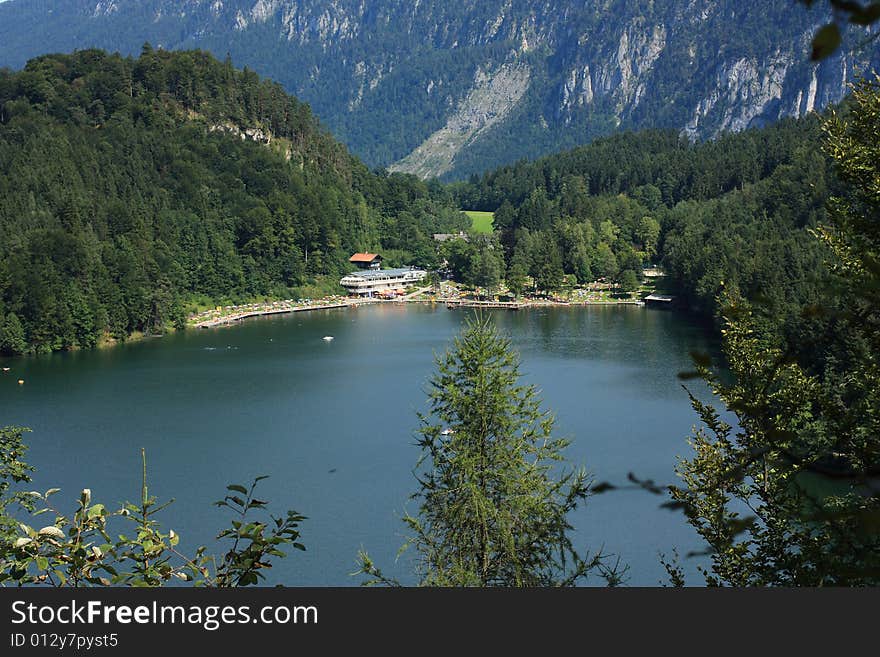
x,y
332,423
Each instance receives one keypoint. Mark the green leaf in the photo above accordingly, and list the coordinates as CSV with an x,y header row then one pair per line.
x,y
826,41
42,563
237,488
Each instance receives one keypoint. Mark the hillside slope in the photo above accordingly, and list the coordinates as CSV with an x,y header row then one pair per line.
x,y
449,89
129,187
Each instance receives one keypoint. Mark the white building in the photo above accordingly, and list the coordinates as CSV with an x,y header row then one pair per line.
x,y
367,283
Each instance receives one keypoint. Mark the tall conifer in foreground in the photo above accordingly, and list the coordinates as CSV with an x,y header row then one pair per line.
x,y
493,500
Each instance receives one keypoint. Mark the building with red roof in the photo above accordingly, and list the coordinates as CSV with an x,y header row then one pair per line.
x,y
366,260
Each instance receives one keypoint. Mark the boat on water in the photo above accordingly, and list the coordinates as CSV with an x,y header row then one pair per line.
x,y
327,338
447,432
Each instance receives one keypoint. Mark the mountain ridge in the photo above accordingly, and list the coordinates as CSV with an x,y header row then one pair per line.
x,y
389,77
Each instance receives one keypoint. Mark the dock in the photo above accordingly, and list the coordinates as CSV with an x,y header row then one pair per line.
x,y
470,303
660,300
523,305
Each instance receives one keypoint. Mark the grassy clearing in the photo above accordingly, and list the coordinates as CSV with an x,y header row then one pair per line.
x,y
481,222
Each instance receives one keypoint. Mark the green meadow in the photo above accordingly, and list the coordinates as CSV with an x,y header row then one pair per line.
x,y
481,222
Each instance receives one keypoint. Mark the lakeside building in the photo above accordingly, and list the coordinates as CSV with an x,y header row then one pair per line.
x,y
371,261
371,282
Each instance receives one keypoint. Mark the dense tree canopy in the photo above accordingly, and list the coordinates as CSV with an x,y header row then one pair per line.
x,y
736,212
130,185
788,494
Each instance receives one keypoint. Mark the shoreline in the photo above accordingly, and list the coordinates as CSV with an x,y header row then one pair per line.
x,y
526,304
278,308
448,293
286,307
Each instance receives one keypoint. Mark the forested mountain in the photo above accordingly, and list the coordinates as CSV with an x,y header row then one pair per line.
x,y
449,89
128,186
132,186
732,214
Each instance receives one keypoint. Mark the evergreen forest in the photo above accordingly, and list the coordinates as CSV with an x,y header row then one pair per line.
x,y
133,188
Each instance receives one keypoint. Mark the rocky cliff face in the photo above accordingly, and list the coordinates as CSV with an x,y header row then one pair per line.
x,y
439,88
493,96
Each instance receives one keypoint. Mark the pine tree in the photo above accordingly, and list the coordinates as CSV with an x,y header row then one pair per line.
x,y
493,503
789,496
12,338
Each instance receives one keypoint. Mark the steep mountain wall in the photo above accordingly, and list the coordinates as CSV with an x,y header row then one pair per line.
x,y
412,84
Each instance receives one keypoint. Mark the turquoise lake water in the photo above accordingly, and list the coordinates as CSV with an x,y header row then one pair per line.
x,y
332,423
